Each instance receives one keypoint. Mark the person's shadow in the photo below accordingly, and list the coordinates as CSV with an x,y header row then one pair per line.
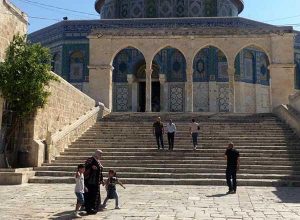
x,y
217,195
67,215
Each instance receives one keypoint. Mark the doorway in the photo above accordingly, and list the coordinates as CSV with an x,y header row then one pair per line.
x,y
155,97
142,97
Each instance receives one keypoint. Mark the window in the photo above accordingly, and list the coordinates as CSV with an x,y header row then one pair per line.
x,y
76,66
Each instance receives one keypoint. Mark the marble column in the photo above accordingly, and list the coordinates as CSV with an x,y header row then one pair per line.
x,y
163,94
131,97
189,86
231,72
148,90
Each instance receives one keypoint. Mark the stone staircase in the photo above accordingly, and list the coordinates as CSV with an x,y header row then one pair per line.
x,y
270,151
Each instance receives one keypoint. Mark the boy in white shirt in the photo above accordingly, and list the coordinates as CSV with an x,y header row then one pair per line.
x,y
79,188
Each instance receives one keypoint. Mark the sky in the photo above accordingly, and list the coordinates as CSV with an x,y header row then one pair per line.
x,y
277,12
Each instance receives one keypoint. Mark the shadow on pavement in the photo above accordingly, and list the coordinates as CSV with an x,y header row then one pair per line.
x,y
288,194
217,195
67,215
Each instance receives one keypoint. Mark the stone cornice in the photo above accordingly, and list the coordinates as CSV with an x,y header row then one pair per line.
x,y
76,30
15,11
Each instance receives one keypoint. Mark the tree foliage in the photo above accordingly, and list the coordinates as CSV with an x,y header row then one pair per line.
x,y
24,75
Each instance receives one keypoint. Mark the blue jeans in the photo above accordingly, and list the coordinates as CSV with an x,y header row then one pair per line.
x,y
80,198
116,197
195,138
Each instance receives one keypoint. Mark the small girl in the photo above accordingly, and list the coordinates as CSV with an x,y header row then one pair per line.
x,y
111,189
79,189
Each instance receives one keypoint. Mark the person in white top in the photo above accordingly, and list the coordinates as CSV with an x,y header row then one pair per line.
x,y
194,131
171,131
79,188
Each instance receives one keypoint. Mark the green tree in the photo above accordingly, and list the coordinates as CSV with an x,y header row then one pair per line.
x,y
24,76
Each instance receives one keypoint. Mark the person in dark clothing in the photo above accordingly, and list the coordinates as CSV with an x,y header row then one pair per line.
x,y
158,132
93,180
233,165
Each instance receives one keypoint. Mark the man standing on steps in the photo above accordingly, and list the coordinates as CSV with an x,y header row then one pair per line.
x,y
233,165
171,129
194,130
158,132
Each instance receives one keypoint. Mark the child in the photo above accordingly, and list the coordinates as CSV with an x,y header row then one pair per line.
x,y
111,189
79,189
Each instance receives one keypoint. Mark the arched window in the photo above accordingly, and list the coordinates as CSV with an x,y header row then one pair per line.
x,y
210,63
263,68
76,66
56,63
249,65
172,63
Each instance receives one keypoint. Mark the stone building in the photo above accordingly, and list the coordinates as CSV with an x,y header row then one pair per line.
x,y
177,56
297,60
13,21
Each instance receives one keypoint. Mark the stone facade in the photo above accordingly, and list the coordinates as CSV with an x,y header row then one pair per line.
x,y
105,45
13,21
297,61
169,61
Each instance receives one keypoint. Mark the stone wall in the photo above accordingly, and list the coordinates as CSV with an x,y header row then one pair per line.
x,y
13,21
290,113
66,105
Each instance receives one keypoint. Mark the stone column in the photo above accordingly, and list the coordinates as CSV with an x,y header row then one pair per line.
x,y
101,86
130,78
163,96
148,90
231,72
189,86
282,83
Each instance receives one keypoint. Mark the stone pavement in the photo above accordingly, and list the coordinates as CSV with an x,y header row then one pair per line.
x,y
154,202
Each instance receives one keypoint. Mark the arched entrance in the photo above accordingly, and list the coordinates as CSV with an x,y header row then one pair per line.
x,y
126,64
140,79
252,80
171,78
211,81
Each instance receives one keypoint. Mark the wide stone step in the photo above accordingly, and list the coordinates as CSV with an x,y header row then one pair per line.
x,y
137,162
181,165
187,136
187,140
155,181
185,147
88,150
169,157
175,175
172,170
198,154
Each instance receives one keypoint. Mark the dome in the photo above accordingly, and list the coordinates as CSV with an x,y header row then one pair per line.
x,y
122,9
